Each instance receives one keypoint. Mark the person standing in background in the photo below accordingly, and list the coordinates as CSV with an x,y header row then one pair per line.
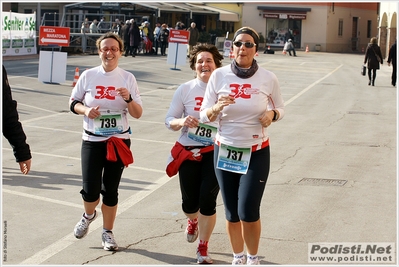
x,y
135,37
392,59
12,128
93,26
373,58
157,32
126,38
163,38
193,38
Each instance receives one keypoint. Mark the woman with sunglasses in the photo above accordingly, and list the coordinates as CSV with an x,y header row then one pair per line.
x,y
244,99
192,155
105,95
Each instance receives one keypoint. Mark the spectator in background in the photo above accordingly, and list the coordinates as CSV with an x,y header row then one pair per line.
x,y
103,26
193,39
146,34
135,37
392,59
288,47
157,32
126,37
163,38
12,128
373,58
179,25
93,26
85,27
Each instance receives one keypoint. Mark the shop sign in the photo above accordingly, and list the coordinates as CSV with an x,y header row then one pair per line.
x,y
284,16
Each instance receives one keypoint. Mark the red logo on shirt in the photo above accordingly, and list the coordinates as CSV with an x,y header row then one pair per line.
x,y
198,102
107,92
243,90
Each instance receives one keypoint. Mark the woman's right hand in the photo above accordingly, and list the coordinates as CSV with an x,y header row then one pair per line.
x,y
190,121
92,113
224,101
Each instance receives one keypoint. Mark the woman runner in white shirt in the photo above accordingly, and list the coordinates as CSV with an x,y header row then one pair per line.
x,y
105,96
245,99
198,184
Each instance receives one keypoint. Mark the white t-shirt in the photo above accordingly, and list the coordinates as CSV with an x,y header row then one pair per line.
x,y
187,100
95,87
239,123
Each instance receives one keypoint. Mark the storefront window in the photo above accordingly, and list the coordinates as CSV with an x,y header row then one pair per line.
x,y
276,31
280,30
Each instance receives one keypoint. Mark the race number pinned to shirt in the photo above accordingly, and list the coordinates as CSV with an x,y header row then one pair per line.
x,y
108,124
233,159
204,134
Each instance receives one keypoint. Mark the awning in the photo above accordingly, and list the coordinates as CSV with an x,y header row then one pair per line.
x,y
193,8
224,15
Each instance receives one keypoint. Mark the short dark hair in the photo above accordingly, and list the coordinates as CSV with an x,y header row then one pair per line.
x,y
217,57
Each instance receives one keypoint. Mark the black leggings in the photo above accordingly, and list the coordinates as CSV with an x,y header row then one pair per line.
x,y
242,193
372,78
198,185
100,176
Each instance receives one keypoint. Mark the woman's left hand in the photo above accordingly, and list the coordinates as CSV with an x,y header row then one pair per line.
x,y
266,118
123,92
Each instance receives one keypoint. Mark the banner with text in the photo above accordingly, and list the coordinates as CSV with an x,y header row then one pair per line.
x,y
18,33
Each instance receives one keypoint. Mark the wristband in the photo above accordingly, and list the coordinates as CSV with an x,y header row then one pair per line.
x,y
275,115
130,99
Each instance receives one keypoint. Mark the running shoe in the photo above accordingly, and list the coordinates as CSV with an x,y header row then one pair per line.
x,y
109,242
202,255
239,260
191,231
254,261
82,227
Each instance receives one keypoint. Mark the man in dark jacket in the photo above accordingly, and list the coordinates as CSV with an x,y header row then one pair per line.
x,y
12,128
193,38
392,59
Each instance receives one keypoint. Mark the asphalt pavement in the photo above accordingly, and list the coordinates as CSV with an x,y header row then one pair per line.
x,y
333,172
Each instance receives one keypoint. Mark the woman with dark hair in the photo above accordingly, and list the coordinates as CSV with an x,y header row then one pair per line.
x,y
105,95
373,58
245,99
192,155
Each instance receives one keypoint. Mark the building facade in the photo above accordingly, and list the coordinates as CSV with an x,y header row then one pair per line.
x,y
330,27
340,27
387,26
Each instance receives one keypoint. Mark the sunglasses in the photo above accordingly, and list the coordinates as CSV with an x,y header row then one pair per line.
x,y
247,44
106,49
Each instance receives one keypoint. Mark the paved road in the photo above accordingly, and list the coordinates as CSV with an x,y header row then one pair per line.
x,y
332,179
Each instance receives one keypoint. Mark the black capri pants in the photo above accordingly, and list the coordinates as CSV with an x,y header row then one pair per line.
x,y
242,193
100,176
198,185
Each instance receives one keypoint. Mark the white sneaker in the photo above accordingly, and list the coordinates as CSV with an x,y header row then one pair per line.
x,y
254,261
191,231
202,255
108,241
239,260
82,227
